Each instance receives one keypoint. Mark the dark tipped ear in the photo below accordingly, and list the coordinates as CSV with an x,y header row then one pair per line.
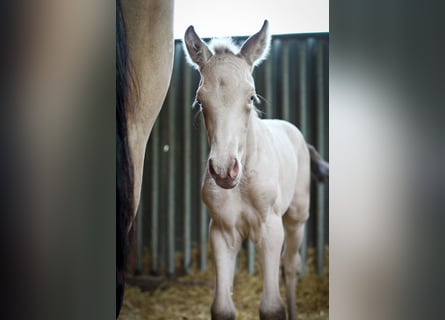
x,y
197,52
255,49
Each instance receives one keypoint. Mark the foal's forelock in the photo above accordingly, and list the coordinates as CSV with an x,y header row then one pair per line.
x,y
223,46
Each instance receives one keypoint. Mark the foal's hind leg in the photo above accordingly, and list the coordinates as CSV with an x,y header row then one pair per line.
x,y
293,222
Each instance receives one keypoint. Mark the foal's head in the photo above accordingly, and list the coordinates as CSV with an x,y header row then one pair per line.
x,y
226,95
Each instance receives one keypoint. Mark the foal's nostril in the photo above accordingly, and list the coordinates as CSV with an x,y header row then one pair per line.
x,y
234,170
211,169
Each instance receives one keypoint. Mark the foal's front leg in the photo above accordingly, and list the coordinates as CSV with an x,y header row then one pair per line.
x,y
225,246
272,306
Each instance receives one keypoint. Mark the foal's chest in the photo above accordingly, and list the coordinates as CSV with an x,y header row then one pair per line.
x,y
245,207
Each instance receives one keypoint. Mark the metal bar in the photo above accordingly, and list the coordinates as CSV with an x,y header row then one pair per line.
x,y
250,257
303,92
187,167
171,177
285,78
154,222
303,114
321,188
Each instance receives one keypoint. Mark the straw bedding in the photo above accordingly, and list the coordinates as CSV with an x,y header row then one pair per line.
x,y
189,297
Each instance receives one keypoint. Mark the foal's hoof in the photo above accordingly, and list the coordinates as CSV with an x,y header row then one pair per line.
x,y
279,314
222,314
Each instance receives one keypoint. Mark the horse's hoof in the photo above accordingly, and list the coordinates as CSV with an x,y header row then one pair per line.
x,y
279,314
222,314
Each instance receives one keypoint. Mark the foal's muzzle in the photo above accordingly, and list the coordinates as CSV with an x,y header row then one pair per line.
x,y
226,178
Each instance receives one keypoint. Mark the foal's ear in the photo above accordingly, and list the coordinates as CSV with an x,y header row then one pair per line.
x,y
197,52
255,49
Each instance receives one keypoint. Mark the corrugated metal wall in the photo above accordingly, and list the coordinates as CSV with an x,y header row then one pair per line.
x,y
172,220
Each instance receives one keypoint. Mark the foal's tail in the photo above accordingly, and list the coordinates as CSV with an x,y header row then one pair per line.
x,y
319,167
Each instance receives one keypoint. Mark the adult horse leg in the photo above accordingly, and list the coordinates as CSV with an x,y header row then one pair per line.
x,y
271,306
225,247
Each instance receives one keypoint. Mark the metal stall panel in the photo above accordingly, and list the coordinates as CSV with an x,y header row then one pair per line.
x,y
293,84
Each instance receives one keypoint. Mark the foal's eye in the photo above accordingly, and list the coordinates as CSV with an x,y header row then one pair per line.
x,y
253,98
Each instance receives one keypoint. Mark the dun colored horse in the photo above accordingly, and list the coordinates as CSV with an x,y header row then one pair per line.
x,y
144,61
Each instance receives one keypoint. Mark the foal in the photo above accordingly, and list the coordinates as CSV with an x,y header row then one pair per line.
x,y
256,184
